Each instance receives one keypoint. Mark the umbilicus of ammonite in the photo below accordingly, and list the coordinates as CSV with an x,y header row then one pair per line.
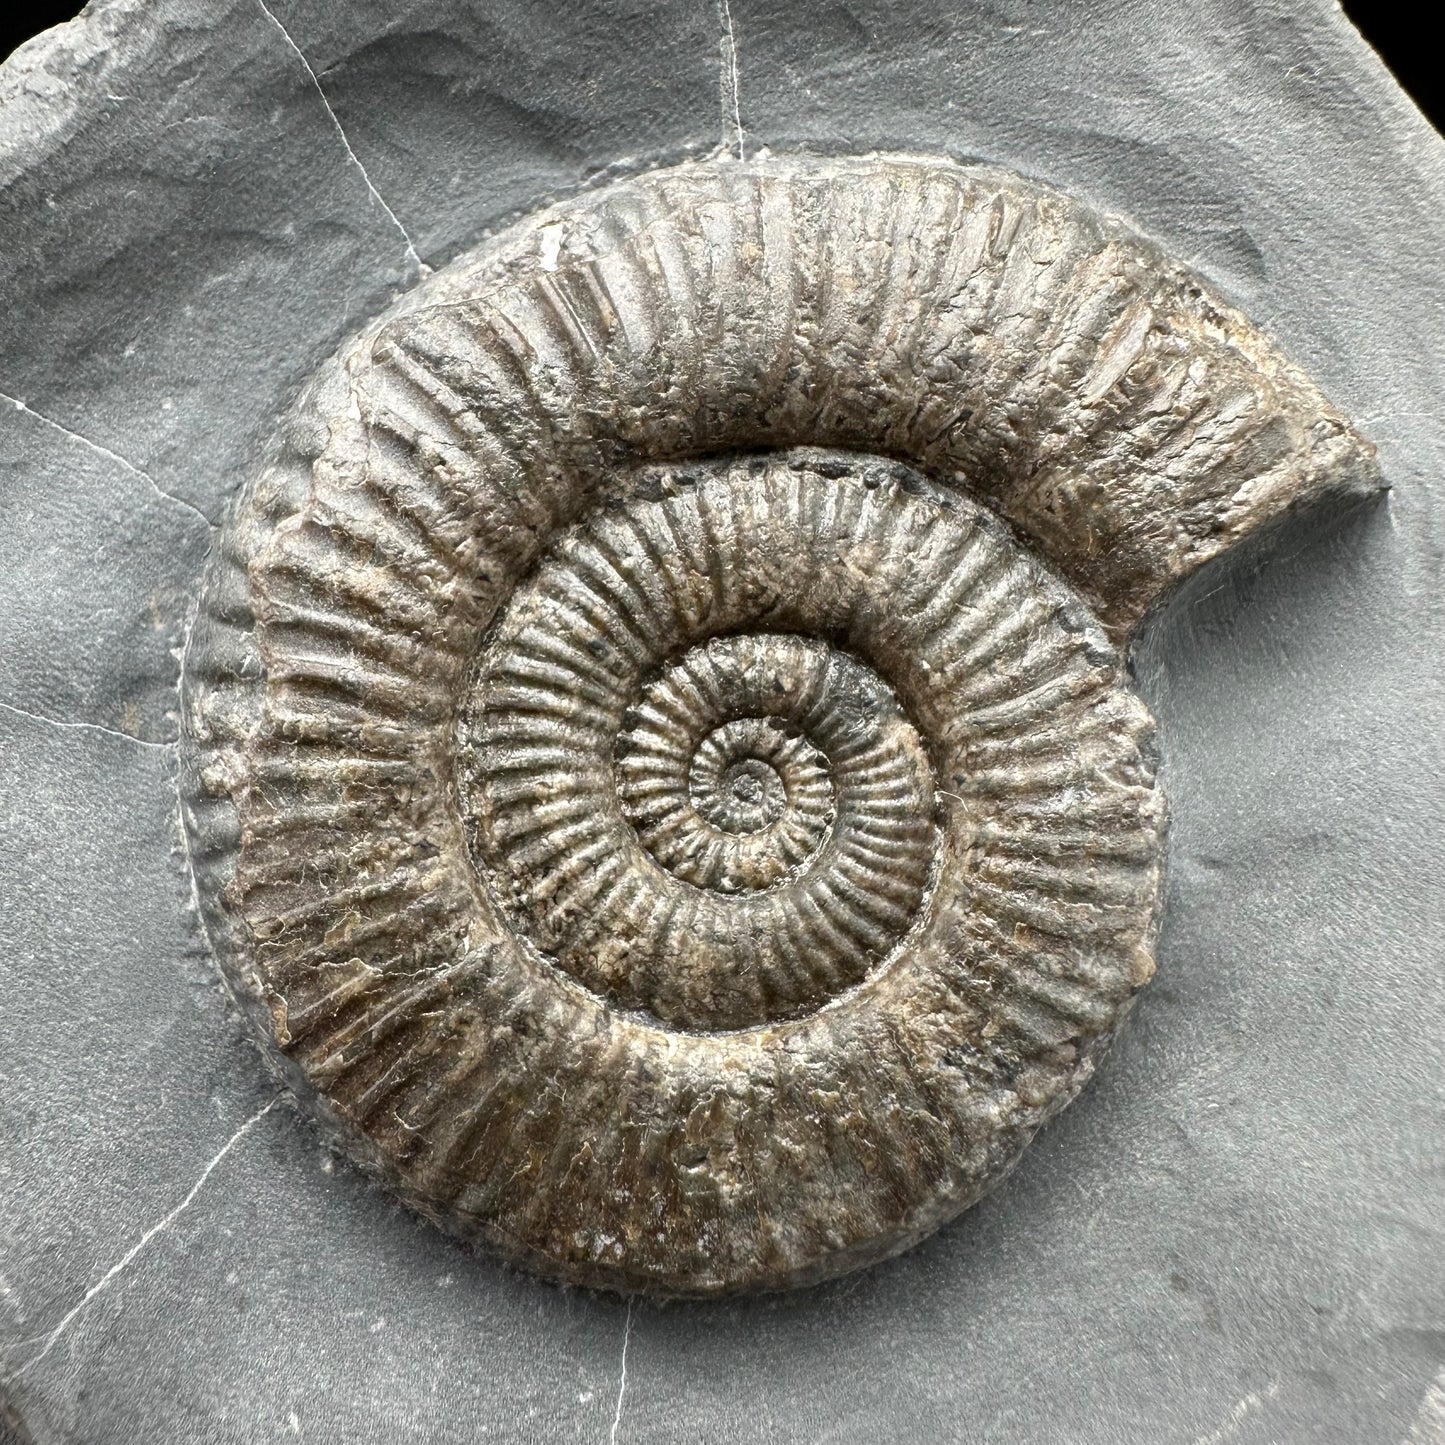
x,y
662,775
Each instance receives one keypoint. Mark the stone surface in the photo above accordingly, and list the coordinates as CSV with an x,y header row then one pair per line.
x,y
1233,1235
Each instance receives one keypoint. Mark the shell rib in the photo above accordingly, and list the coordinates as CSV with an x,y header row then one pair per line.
x,y
660,773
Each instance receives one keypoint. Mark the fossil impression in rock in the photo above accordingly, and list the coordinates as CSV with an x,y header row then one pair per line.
x,y
662,775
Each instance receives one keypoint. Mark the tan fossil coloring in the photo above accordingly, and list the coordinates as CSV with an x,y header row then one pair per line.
x,y
662,775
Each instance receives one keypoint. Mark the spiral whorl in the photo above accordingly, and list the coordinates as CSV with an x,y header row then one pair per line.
x,y
659,771
694,805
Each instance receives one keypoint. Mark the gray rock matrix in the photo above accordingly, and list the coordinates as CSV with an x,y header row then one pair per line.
x,y
1233,1234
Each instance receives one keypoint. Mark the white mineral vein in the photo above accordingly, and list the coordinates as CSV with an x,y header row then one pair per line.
x,y
355,159
109,455
732,115
622,1383
55,722
124,1262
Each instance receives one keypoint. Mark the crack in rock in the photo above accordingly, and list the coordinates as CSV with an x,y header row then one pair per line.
x,y
622,1383
109,455
124,1262
411,252
75,724
732,117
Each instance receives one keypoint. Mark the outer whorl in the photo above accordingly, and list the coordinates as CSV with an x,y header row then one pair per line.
x,y
660,817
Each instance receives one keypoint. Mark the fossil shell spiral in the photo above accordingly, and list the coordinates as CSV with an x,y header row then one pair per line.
x,y
660,771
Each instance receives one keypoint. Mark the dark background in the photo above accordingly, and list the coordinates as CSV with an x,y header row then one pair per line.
x,y
1395,28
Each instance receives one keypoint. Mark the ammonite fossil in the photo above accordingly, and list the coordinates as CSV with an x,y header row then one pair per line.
x,y
662,775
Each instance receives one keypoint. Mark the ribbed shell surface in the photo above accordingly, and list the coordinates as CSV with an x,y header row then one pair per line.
x,y
660,773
